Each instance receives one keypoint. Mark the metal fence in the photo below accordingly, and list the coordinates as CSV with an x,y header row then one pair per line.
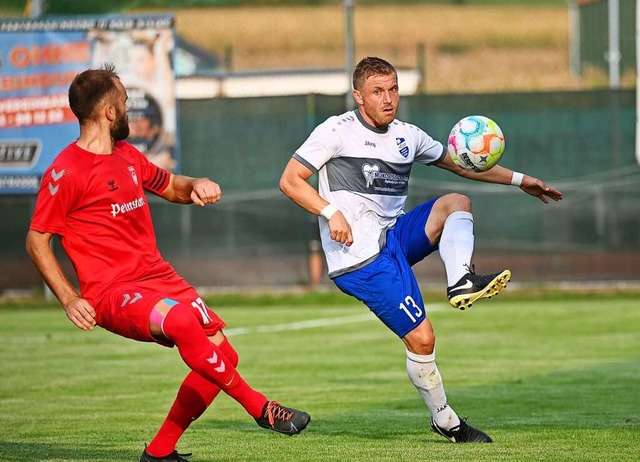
x,y
601,44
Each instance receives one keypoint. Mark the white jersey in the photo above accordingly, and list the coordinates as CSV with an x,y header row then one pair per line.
x,y
364,172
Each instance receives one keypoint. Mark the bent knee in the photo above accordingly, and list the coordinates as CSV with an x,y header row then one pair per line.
x,y
179,319
426,345
455,202
421,342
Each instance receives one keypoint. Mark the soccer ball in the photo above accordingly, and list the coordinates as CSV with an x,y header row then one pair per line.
x,y
476,143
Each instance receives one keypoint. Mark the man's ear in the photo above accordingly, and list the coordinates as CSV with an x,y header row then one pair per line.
x,y
110,112
358,97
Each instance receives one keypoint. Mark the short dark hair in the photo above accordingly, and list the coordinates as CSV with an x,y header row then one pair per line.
x,y
370,66
89,88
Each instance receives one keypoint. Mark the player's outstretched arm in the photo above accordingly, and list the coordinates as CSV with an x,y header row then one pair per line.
x,y
501,175
78,310
186,190
295,186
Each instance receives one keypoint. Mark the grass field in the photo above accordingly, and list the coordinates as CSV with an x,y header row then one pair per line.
x,y
549,378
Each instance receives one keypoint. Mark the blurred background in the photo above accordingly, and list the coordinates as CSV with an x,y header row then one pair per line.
x,y
251,79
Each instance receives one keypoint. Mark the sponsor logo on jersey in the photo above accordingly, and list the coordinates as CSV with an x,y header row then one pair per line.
x,y
370,143
369,172
134,176
402,147
394,181
112,185
126,207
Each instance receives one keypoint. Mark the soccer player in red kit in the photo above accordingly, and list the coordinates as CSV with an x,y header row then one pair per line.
x,y
93,197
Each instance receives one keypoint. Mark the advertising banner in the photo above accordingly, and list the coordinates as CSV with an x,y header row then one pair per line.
x,y
38,60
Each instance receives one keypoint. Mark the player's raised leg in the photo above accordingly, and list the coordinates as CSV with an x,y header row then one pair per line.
x,y
451,222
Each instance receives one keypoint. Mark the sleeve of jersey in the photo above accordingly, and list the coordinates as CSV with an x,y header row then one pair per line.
x,y
54,201
429,151
319,148
154,178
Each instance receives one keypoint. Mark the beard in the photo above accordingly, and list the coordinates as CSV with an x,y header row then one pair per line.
x,y
120,130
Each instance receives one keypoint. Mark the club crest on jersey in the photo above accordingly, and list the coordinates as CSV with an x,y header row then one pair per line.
x,y
134,176
370,172
402,147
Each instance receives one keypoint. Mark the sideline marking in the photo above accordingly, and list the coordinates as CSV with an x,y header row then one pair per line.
x,y
313,323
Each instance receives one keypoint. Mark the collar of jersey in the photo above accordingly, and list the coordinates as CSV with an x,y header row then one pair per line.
x,y
369,126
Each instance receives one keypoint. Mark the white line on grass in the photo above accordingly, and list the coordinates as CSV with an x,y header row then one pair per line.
x,y
299,325
313,323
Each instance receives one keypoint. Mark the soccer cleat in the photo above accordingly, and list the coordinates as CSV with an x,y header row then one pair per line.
x,y
463,433
173,457
472,287
282,419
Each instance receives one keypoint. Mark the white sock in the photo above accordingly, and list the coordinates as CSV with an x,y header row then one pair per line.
x,y
456,245
425,376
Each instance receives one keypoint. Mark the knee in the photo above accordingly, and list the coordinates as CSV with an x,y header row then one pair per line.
x,y
179,321
427,344
423,343
455,202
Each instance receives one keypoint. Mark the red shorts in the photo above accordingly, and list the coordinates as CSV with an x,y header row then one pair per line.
x,y
125,309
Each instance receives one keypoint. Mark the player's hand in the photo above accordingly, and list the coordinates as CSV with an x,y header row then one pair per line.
x,y
340,230
537,188
81,313
205,192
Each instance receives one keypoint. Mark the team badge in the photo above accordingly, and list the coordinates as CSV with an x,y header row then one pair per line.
x,y
134,176
402,147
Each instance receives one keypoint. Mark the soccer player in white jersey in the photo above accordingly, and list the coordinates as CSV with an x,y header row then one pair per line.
x,y
364,158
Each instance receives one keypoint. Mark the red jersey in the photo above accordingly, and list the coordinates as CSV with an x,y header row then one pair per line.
x,y
96,204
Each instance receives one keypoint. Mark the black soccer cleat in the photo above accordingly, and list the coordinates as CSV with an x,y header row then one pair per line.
x,y
283,419
463,433
173,457
472,287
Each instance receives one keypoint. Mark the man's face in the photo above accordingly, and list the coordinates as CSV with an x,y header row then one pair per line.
x,y
120,126
378,99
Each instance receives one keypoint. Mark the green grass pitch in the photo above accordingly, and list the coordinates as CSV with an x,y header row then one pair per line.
x,y
550,379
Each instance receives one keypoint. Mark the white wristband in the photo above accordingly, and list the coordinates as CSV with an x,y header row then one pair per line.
x,y
328,211
516,179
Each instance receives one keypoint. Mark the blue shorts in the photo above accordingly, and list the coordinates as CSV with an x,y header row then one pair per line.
x,y
387,285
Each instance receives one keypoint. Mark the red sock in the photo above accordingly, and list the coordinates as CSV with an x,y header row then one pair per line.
x,y
208,360
194,397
